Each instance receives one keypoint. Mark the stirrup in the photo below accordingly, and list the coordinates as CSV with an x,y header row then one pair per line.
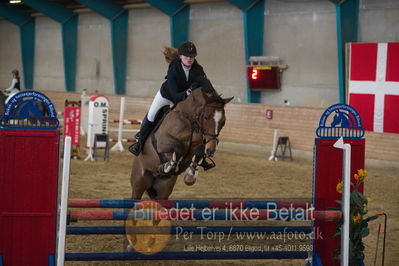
x,y
135,148
207,165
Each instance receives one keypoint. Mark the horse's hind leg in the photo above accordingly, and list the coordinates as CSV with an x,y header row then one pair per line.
x,y
137,192
139,181
164,187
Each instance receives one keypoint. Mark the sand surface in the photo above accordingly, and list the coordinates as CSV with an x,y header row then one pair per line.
x,y
236,177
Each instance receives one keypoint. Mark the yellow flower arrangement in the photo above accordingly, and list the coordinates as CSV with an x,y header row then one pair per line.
x,y
357,218
358,228
338,188
361,174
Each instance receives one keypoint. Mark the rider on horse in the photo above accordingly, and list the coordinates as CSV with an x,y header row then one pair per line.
x,y
182,73
15,85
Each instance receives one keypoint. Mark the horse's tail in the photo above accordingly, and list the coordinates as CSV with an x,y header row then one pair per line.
x,y
170,54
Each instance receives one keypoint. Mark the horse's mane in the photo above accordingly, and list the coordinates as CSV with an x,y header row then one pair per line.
x,y
170,54
216,99
206,87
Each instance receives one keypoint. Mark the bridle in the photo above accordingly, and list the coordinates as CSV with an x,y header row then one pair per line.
x,y
200,124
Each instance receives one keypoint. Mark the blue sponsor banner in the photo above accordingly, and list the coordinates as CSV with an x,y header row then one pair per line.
x,y
30,110
340,120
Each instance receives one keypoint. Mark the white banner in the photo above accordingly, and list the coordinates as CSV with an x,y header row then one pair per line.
x,y
98,118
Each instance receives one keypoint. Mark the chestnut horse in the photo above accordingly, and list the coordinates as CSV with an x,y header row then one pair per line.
x,y
188,133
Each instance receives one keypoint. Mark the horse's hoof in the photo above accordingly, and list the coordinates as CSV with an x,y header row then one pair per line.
x,y
189,181
165,168
190,177
168,168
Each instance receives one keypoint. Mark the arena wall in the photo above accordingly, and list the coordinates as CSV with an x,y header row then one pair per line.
x,y
247,124
301,33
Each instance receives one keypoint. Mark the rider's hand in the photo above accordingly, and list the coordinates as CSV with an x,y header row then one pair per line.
x,y
188,92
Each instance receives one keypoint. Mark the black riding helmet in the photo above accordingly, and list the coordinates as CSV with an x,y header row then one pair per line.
x,y
187,49
15,72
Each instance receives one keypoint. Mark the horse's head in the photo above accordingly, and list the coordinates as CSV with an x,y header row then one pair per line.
x,y
213,119
210,115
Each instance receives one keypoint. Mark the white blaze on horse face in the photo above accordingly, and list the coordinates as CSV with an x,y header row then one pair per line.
x,y
217,116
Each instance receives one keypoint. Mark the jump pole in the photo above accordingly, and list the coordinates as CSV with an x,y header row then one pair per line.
x,y
345,199
211,255
64,202
201,215
198,204
273,153
176,230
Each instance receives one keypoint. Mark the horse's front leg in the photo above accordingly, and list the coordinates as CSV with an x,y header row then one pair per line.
x,y
171,166
190,176
174,150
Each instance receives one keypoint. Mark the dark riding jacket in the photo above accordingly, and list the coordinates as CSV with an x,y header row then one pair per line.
x,y
175,86
17,85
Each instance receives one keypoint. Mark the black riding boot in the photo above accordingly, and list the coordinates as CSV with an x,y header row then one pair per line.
x,y
145,130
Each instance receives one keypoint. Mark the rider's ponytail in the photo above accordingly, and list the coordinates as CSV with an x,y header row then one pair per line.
x,y
170,54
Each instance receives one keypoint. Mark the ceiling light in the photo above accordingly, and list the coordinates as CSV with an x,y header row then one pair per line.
x,y
15,1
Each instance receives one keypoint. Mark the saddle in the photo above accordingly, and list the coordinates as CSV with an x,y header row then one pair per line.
x,y
160,117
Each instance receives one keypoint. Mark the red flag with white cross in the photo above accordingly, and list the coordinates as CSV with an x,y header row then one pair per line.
x,y
374,85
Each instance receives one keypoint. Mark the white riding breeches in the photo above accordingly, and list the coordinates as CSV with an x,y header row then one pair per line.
x,y
156,105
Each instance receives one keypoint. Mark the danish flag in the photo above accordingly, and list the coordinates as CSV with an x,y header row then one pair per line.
x,y
374,85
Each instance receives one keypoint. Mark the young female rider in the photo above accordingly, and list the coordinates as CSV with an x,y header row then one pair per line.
x,y
182,72
15,85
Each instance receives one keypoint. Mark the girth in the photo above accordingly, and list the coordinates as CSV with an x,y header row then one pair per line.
x,y
161,156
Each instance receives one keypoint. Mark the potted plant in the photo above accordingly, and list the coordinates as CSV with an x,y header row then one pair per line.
x,y
358,228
